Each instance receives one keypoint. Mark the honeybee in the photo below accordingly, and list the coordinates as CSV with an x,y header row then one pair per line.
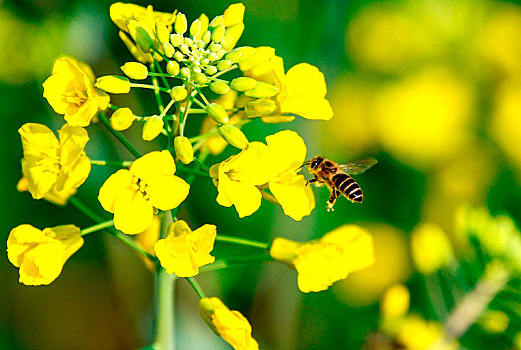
x,y
336,177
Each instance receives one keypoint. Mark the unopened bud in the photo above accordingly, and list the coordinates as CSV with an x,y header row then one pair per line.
x,y
212,56
204,24
260,107
262,90
240,54
218,20
179,56
195,28
224,64
233,135
217,113
176,39
113,84
178,93
189,42
210,70
218,33
220,87
152,128
134,49
243,84
232,35
172,68
200,78
261,55
168,50
185,72
135,70
183,149
141,35
207,36
234,14
184,49
214,47
180,24
122,119
162,33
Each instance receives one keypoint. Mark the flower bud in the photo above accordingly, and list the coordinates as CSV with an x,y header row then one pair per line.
x,y
176,39
152,128
240,54
141,35
218,20
260,107
172,68
215,47
233,135
122,119
162,33
195,28
395,302
178,93
179,56
223,64
218,33
135,70
204,25
217,113
184,49
200,79
431,248
212,56
185,72
134,49
219,87
243,84
189,42
207,36
234,14
168,50
261,55
180,24
262,90
183,149
210,70
113,84
232,35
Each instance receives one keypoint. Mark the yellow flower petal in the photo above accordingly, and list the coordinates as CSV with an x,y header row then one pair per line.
x,y
234,14
308,107
288,149
244,196
305,79
110,190
297,199
157,162
132,213
167,191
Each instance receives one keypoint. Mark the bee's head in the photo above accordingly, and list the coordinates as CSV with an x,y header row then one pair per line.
x,y
315,162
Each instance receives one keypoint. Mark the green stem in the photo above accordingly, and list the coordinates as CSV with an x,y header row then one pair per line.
x,y
118,135
158,69
231,262
242,241
97,227
160,53
115,164
195,172
185,114
197,102
156,88
165,305
197,287
232,67
152,87
122,237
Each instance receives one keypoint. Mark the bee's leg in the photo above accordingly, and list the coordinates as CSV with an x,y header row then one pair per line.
x,y
332,199
310,181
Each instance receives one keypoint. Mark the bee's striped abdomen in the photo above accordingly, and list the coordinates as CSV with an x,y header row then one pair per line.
x,y
348,186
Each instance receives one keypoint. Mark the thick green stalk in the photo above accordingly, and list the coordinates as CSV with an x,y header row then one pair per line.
x,y
165,305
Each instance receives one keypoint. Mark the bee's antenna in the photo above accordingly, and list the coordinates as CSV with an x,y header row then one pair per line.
x,y
304,164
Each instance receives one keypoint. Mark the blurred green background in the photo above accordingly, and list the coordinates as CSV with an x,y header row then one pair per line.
x,y
432,89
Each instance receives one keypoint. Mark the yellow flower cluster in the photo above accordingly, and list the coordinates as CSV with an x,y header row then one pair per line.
x,y
274,165
320,263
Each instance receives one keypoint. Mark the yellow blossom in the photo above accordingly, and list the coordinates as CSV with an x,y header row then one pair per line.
x,y
40,255
183,251
431,248
70,91
419,334
302,90
52,165
274,166
134,195
320,263
231,325
395,302
53,196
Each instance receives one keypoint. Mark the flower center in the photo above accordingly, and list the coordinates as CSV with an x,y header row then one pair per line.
x,y
140,186
77,96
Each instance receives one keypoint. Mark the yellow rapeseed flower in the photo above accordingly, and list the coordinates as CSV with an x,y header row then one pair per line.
x,y
53,196
40,255
231,325
272,166
302,90
52,165
70,91
322,262
184,251
134,195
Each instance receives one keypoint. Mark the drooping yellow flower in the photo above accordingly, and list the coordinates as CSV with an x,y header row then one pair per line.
x,y
134,195
320,263
70,91
272,166
52,165
40,255
184,251
231,325
53,196
302,90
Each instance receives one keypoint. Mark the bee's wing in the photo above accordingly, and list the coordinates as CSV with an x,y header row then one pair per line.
x,y
358,166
